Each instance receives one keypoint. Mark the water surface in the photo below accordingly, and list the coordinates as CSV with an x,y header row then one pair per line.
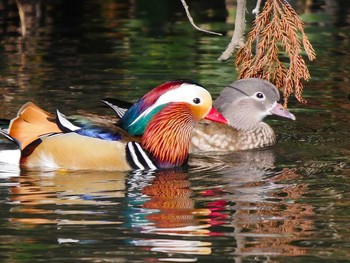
x,y
286,203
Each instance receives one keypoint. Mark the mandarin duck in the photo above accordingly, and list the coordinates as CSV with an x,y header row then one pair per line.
x,y
244,103
163,121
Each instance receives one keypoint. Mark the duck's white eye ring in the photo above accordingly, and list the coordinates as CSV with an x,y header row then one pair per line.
x,y
260,96
196,100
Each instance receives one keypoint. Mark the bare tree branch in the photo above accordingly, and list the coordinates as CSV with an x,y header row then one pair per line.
x,y
237,40
193,24
256,10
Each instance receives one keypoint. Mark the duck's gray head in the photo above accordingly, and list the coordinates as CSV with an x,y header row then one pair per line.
x,y
246,102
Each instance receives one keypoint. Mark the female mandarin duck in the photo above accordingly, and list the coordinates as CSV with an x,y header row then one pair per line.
x,y
164,117
244,103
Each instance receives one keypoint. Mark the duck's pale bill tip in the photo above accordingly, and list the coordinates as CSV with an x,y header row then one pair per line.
x,y
281,111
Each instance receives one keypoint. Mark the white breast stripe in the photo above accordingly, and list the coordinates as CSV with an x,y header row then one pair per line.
x,y
145,157
134,157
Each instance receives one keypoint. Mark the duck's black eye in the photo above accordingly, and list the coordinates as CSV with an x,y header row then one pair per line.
x,y
259,95
197,100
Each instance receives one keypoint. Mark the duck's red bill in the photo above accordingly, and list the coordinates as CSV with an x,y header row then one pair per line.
x,y
216,116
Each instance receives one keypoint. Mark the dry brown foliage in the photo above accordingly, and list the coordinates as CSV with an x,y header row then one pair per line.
x,y
277,34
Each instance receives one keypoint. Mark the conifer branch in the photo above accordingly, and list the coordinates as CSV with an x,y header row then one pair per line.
x,y
274,30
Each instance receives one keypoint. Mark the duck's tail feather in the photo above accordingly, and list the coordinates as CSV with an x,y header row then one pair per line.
x,y
10,152
119,106
31,123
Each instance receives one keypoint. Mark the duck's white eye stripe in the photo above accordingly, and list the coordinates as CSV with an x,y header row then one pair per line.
x,y
184,93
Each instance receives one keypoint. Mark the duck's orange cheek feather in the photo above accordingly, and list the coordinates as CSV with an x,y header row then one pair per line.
x,y
199,112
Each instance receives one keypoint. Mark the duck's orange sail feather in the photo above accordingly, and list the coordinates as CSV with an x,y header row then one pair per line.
x,y
31,122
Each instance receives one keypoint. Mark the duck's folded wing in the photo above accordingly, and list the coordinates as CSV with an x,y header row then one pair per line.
x,y
92,126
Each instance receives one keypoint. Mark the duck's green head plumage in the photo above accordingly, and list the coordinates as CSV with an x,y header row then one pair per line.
x,y
141,113
138,125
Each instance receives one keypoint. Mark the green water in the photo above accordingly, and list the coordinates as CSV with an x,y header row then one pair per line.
x,y
287,203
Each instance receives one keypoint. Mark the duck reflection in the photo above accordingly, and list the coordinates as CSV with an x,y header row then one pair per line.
x,y
242,202
239,198
268,213
166,206
170,205
54,197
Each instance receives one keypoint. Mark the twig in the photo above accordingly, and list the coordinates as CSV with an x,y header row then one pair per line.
x,y
22,19
193,24
256,10
237,40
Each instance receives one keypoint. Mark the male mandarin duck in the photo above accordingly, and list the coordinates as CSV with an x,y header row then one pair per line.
x,y
164,119
244,103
